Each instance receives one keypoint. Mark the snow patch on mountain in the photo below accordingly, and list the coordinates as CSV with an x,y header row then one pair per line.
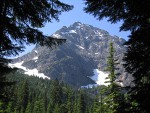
x,y
86,37
35,58
90,86
78,27
72,31
100,77
80,47
56,35
30,72
64,33
35,51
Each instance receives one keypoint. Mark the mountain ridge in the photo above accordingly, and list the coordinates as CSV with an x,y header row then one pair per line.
x,y
73,62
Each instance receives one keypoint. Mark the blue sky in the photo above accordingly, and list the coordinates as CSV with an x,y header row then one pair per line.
x,y
78,15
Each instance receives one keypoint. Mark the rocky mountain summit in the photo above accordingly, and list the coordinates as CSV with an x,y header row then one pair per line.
x,y
73,62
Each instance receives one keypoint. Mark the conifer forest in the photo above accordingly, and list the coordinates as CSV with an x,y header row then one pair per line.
x,y
20,23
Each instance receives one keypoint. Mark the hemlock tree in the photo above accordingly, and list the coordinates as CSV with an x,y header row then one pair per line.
x,y
19,23
38,107
138,64
69,104
29,108
135,15
80,102
112,98
56,95
97,105
4,69
20,20
24,96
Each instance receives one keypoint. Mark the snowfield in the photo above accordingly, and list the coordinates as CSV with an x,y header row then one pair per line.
x,y
80,47
100,77
30,72
36,51
35,58
72,31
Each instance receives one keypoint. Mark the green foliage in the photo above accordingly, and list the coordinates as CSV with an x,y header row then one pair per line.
x,y
111,65
19,21
139,46
56,93
24,96
4,69
97,107
111,95
57,109
135,15
29,108
1,107
80,103
34,95
39,107
69,104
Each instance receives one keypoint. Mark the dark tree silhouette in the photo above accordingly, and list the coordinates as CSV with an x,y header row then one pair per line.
x,y
135,15
20,19
19,23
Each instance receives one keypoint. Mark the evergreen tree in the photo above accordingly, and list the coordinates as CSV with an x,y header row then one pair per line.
x,y
45,100
2,110
80,103
50,107
3,82
131,12
19,23
39,107
10,108
138,64
97,106
56,95
57,109
24,96
59,98
136,18
113,90
69,105
75,103
29,108
103,108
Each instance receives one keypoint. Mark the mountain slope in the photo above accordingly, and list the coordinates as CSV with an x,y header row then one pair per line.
x,y
73,62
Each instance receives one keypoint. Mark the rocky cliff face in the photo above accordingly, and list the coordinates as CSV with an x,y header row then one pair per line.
x,y
73,62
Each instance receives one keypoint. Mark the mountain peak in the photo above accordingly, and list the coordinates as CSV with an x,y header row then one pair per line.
x,y
73,62
77,23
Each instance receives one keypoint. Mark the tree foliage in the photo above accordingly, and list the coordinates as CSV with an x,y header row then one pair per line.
x,y
20,19
135,15
138,64
113,90
19,23
29,93
4,69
